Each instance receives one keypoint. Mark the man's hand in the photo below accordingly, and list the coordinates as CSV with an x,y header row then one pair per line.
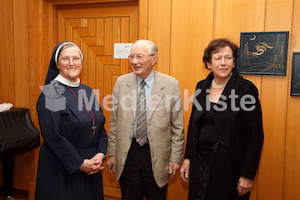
x,y
173,168
111,165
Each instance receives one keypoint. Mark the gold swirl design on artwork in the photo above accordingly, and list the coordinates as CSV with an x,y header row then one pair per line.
x,y
296,86
253,38
260,47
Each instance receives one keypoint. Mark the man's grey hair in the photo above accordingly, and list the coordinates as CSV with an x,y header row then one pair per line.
x,y
152,48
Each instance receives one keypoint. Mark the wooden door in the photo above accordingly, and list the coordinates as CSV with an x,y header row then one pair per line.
x,y
95,28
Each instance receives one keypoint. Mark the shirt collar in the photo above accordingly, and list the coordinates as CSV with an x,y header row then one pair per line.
x,y
65,81
149,79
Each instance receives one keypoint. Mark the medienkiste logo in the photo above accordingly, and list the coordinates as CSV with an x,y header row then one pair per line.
x,y
55,100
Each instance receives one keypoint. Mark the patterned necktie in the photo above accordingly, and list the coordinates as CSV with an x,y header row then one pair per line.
x,y
141,126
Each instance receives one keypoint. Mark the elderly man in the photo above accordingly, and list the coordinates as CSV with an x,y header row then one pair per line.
x,y
146,137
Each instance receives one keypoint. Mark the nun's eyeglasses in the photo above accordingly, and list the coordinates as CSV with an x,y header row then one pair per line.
x,y
69,60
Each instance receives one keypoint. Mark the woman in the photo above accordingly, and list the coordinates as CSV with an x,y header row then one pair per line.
x,y
225,134
71,122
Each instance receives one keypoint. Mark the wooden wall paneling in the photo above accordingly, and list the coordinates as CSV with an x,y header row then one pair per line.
x,y
292,166
234,16
51,35
107,197
84,22
22,90
112,193
100,78
134,24
116,37
159,28
125,38
35,39
292,159
78,33
100,32
91,69
65,28
99,36
295,45
273,96
143,19
91,24
68,2
42,28
7,69
191,30
108,43
31,193
35,50
278,15
109,72
107,10
7,82
84,46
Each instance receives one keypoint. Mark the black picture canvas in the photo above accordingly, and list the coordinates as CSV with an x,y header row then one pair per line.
x,y
295,85
263,53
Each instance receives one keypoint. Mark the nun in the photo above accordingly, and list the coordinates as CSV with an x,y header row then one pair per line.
x,y
72,126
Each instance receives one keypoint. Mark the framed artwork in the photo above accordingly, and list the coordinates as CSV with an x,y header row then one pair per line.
x,y
295,85
263,53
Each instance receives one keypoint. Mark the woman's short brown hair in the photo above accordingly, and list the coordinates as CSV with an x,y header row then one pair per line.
x,y
214,47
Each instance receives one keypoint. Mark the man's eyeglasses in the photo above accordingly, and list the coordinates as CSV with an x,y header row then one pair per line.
x,y
138,57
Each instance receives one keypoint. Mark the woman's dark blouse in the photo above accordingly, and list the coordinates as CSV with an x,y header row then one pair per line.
x,y
207,136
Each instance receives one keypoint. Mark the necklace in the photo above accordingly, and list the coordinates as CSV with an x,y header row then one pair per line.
x,y
89,112
216,86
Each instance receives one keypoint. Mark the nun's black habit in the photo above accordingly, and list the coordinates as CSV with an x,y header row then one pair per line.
x,y
68,140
